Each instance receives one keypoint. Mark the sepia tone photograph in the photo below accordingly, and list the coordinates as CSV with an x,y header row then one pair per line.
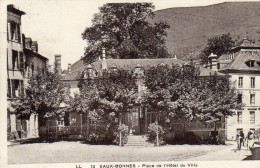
x,y
130,82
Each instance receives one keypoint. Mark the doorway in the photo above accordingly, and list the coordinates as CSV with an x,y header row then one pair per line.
x,y
137,121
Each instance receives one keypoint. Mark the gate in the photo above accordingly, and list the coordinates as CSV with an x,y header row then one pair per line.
x,y
49,132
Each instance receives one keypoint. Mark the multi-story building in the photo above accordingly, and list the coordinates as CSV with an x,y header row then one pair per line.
x,y
242,64
22,60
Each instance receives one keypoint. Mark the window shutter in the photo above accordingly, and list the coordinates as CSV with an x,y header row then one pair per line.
x,y
8,30
13,88
22,89
9,88
21,62
18,124
12,25
18,33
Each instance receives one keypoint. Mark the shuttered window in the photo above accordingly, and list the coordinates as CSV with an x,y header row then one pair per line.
x,y
240,82
21,62
252,117
252,99
239,117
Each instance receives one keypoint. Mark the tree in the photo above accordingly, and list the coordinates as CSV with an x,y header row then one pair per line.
x,y
207,100
218,45
44,94
123,29
175,92
158,81
107,97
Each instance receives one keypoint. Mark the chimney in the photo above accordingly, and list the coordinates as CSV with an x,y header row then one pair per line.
x,y
35,46
58,63
104,63
69,67
213,62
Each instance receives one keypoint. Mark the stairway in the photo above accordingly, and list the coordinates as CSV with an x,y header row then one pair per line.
x,y
137,141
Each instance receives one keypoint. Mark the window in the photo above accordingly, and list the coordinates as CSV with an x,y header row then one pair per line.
x,y
60,123
239,117
239,98
250,63
252,99
15,32
21,61
15,59
252,117
252,82
240,82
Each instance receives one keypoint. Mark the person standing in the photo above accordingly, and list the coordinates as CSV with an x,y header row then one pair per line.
x,y
250,139
240,138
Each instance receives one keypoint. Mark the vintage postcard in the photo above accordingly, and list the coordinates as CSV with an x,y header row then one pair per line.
x,y
130,84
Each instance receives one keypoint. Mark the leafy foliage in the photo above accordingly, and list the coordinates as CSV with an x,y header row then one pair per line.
x,y
44,94
106,98
124,132
154,129
123,29
179,93
218,45
158,81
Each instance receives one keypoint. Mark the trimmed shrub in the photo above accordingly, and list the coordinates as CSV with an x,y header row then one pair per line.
x,y
124,132
152,130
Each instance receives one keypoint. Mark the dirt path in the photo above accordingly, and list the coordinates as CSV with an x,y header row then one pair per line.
x,y
64,152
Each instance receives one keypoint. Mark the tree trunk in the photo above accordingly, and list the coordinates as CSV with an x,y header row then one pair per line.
x,y
215,133
56,129
80,125
120,133
157,132
184,127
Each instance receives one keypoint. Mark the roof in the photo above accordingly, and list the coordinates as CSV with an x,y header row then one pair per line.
x,y
30,52
245,43
132,63
208,72
245,51
11,8
73,75
78,67
239,62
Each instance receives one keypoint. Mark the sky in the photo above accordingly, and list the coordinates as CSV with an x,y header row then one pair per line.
x,y
57,25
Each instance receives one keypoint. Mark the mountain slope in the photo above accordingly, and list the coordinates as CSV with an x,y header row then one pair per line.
x,y
192,26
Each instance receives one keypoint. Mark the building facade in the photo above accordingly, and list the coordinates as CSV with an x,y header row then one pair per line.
x,y
22,60
242,64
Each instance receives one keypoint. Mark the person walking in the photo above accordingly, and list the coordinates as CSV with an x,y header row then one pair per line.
x,y
250,140
240,138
